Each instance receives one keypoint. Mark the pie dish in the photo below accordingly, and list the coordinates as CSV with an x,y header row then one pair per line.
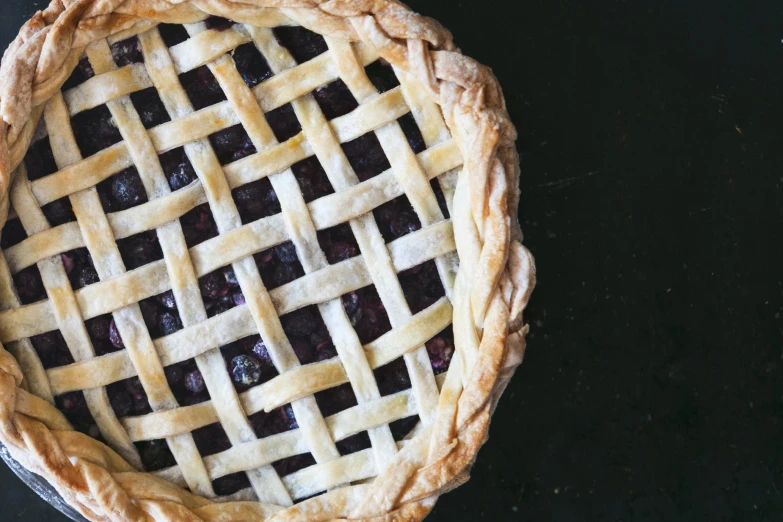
x,y
259,260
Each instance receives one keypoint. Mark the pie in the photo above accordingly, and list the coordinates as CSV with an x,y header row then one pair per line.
x,y
260,260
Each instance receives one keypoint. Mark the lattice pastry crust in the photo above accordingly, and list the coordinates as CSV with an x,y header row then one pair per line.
x,y
486,273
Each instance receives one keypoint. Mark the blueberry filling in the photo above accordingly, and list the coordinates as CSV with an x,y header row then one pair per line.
x,y
232,144
29,285
421,286
335,99
51,349
211,439
304,45
440,350
79,267
396,218
173,34
367,314
39,160
177,168
186,383
308,335
412,133
140,249
256,200
392,377
95,130
230,484
354,443
279,420
158,317
103,334
198,225
80,74
217,23
283,122
279,265
74,407
122,191
201,87
248,362
312,179
59,212
220,291
382,75
335,400
338,243
402,427
293,464
366,156
251,64
13,233
440,197
127,51
150,107
128,397
155,454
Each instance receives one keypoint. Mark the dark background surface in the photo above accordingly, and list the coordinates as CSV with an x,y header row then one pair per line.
x,y
650,137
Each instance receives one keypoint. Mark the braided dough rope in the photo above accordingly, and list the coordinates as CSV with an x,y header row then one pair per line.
x,y
494,282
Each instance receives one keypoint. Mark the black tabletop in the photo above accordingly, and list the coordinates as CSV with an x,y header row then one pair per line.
x,y
650,140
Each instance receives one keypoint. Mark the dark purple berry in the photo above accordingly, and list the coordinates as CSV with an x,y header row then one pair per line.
x,y
283,274
251,65
351,302
174,374
286,253
127,52
87,276
150,108
238,298
366,156
335,99
95,130
299,323
72,401
59,212
127,189
194,382
99,328
303,44
284,123
29,285
232,144
261,351
404,224
166,299
202,88
168,323
149,311
304,351
213,285
382,75
245,370
122,404
341,251
217,23
412,133
155,454
231,277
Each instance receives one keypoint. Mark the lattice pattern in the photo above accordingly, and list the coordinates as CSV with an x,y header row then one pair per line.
x,y
120,291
